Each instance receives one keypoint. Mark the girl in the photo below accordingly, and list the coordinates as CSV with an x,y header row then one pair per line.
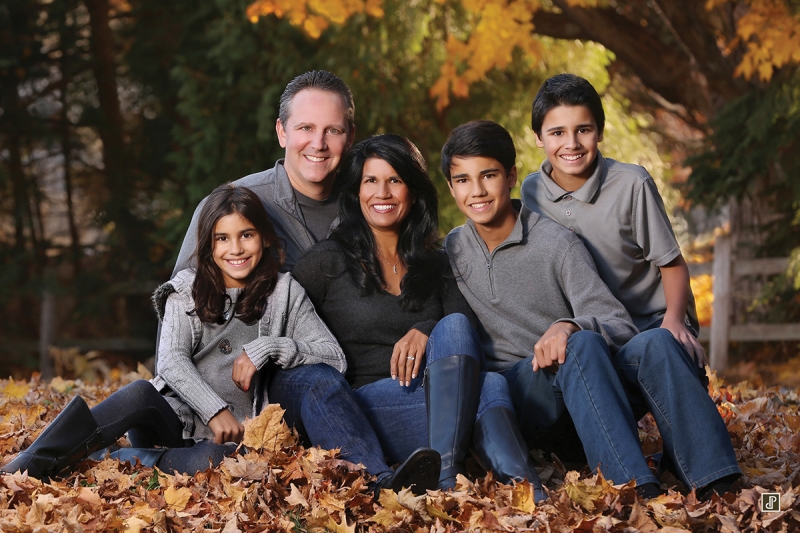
x,y
222,324
385,288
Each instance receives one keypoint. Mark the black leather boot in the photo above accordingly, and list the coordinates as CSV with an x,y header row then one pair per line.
x,y
70,438
452,391
500,448
419,472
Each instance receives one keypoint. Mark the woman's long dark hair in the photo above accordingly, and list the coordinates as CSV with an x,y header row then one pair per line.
x,y
208,291
418,246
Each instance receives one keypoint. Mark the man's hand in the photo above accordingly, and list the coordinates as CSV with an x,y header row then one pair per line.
x,y
407,356
243,371
685,337
226,428
551,349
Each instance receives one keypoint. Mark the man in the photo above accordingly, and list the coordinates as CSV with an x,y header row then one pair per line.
x,y
316,126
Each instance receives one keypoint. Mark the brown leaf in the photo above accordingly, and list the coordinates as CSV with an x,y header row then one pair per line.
x,y
267,431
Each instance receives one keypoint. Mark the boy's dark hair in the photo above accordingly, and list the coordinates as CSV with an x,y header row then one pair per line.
x,y
479,138
321,80
208,290
567,90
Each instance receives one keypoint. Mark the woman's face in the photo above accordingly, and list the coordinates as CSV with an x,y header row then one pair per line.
x,y
385,199
237,249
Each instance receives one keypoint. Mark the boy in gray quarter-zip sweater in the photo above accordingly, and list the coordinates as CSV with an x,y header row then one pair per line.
x,y
548,323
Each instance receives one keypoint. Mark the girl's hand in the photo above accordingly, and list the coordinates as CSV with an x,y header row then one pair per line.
x,y
407,356
243,371
685,337
226,428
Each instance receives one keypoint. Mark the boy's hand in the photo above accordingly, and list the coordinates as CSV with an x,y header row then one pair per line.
x,y
226,428
685,337
551,348
243,371
407,356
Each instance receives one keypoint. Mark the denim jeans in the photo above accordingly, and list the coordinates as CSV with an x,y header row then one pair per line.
x,y
588,387
321,405
381,419
659,376
399,414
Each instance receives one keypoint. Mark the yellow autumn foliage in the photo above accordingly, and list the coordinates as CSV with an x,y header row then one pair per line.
x,y
767,29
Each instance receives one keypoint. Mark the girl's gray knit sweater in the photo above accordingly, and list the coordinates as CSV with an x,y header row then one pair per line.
x,y
289,334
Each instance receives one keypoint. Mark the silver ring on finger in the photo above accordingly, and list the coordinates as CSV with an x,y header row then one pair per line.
x,y
410,358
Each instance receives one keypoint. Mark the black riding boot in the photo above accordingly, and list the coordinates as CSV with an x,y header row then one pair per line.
x,y
452,391
419,472
500,448
70,438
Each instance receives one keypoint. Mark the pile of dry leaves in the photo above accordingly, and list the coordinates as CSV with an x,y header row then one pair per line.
x,y
281,486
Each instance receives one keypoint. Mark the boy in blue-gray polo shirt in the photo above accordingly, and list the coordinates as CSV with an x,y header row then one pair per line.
x,y
547,322
618,213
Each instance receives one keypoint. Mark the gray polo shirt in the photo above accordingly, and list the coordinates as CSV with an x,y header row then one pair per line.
x,y
620,216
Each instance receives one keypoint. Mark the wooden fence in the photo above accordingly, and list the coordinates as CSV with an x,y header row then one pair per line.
x,y
726,272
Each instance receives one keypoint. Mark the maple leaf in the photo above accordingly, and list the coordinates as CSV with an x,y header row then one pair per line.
x,y
296,497
177,498
267,431
342,527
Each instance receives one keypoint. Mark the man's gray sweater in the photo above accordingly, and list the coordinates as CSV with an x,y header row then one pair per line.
x,y
276,193
541,274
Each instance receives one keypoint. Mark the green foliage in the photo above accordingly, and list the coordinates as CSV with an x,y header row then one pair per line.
x,y
752,152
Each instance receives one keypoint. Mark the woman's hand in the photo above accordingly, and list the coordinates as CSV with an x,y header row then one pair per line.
x,y
226,428
243,371
407,356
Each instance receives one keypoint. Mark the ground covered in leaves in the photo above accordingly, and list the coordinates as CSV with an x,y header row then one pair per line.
x,y
281,486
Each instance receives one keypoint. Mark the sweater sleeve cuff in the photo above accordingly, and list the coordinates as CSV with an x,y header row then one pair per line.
x,y
207,410
259,350
577,322
425,327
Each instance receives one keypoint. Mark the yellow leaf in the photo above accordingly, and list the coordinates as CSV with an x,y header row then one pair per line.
x,y
341,528
522,498
585,495
177,498
267,431
61,385
16,390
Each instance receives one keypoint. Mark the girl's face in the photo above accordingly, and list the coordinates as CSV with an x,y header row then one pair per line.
x,y
385,199
237,249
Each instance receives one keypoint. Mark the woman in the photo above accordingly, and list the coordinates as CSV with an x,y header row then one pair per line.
x,y
222,324
383,285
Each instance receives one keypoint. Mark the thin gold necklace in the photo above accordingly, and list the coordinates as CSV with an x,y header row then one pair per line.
x,y
394,266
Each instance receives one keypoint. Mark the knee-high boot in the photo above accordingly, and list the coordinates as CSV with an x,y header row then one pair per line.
x,y
452,391
71,437
499,447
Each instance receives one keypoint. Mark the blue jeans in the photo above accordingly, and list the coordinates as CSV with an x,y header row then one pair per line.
x,y
588,387
320,404
659,376
399,414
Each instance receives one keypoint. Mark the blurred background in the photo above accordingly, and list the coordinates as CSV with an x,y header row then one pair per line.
x,y
117,117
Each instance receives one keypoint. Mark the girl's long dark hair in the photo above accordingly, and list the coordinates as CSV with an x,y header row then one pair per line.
x,y
208,291
418,247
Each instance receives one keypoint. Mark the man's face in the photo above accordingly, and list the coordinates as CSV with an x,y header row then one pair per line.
x,y
569,138
482,189
315,137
